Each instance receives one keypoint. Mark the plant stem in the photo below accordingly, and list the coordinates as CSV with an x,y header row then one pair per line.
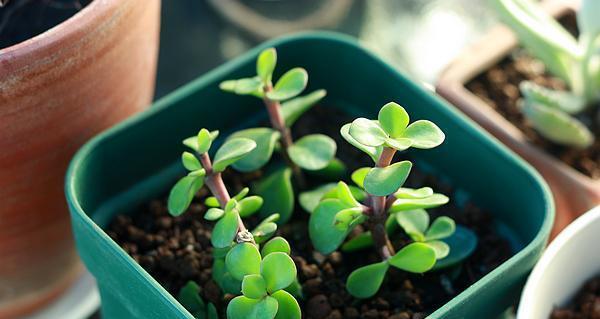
x,y
278,123
379,217
214,182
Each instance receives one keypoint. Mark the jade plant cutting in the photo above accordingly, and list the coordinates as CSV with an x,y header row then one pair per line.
x,y
284,106
555,114
258,277
380,203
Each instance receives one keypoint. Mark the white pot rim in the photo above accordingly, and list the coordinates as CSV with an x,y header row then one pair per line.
x,y
527,303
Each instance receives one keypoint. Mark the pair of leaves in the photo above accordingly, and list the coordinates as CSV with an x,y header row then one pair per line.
x,y
364,282
280,305
309,200
266,229
422,198
246,207
416,224
202,142
189,297
392,130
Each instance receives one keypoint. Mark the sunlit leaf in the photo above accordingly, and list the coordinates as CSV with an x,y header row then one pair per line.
x,y
289,85
382,181
393,119
415,257
182,193
277,244
265,64
288,306
231,151
365,281
402,204
265,139
373,152
424,134
242,260
313,152
367,132
278,270
441,228
414,222
245,86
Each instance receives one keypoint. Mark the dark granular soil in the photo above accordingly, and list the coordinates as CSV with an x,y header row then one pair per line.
x,y
499,88
586,304
23,19
177,249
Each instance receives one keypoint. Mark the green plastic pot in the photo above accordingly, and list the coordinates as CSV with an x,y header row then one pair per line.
x,y
139,159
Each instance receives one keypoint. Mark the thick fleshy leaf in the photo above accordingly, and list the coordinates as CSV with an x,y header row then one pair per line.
x,y
422,192
462,244
250,205
310,199
344,193
182,193
231,151
278,270
205,139
415,257
367,132
365,281
563,100
245,86
324,235
424,134
414,222
189,297
393,119
265,64
288,305
277,244
346,217
190,162
254,286
292,110
194,141
441,248
241,307
277,194
313,152
225,230
265,139
212,202
242,194
289,85
214,213
358,176
373,152
242,260
402,204
382,181
399,144
265,309
441,228
557,125
264,231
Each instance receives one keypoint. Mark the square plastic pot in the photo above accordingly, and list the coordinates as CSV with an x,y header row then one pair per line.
x,y
139,159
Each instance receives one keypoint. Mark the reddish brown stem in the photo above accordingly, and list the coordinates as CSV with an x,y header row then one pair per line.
x,y
217,187
278,123
379,217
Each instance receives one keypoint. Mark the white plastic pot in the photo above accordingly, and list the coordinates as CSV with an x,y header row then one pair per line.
x,y
570,260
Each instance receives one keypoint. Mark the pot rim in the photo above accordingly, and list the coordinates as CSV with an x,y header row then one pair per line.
x,y
74,29
553,251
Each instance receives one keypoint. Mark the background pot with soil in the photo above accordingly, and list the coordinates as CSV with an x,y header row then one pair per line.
x,y
68,69
484,83
99,190
565,282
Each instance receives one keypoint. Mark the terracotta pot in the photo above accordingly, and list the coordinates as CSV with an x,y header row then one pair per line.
x,y
56,91
574,193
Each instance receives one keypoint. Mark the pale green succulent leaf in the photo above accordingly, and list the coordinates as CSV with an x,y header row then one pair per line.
x,y
415,258
289,85
313,152
383,181
365,281
321,229
182,194
265,64
403,204
367,132
424,134
414,222
292,109
245,86
265,139
373,152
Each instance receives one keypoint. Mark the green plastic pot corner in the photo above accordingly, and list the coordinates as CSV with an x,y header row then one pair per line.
x,y
139,159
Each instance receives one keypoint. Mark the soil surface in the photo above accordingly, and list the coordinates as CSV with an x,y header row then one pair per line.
x,y
499,88
177,249
23,19
586,304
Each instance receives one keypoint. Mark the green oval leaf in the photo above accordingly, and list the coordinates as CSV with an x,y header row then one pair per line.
x,y
265,64
242,194
231,151
278,270
365,281
367,132
441,248
190,162
382,181
288,305
205,140
424,134
346,217
462,244
414,222
399,144
292,110
277,194
265,309
249,205
414,193
393,119
415,257
441,227
245,86
243,259
194,141
324,235
402,204
289,85
373,152
225,230
313,152
241,307
214,213
264,231
212,202
265,139
254,286
182,193
277,244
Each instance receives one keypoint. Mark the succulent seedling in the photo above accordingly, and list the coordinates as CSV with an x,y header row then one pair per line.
x,y
553,113
381,203
238,266
284,106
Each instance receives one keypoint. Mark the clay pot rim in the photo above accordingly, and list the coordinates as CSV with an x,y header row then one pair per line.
x,y
453,79
74,29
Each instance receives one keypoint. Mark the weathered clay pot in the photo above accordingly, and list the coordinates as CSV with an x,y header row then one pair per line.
x,y
574,193
56,91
